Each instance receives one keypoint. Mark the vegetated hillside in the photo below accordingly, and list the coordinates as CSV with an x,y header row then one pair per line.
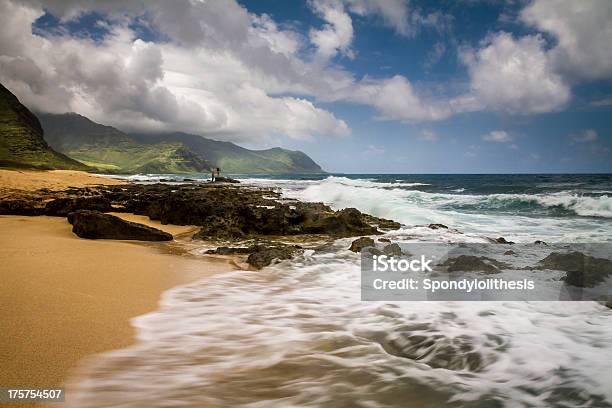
x,y
21,139
232,158
110,150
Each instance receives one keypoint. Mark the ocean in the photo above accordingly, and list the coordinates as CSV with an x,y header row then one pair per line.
x,y
296,334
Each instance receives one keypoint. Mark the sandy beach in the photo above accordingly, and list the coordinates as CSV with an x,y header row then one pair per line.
x,y
52,179
64,298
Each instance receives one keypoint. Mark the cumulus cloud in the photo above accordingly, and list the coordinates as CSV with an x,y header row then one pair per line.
x,y
337,34
498,136
394,13
515,75
215,74
583,31
395,98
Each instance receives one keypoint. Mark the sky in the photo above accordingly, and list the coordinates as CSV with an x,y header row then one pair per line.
x,y
362,86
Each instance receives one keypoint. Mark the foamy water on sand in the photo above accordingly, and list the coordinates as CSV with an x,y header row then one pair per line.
x,y
297,334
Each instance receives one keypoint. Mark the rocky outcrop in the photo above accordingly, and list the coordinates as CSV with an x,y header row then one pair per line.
x,y
220,179
360,243
437,226
265,255
392,250
261,255
61,207
20,207
222,211
97,225
502,240
471,263
582,270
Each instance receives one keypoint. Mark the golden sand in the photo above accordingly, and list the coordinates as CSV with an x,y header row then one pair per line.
x,y
52,179
63,298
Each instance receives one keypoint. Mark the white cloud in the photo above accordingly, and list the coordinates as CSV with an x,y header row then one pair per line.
x,y
337,34
586,136
216,75
583,30
499,136
395,98
515,76
394,13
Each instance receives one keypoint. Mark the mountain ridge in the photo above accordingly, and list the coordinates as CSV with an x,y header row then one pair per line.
x,y
110,150
232,158
22,142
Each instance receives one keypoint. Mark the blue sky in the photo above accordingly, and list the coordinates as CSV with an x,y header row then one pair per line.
x,y
362,86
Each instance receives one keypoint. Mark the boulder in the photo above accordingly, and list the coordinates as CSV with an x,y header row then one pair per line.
x,y
97,225
61,207
471,263
582,270
502,240
384,240
437,226
360,243
19,207
392,250
223,250
263,255
225,180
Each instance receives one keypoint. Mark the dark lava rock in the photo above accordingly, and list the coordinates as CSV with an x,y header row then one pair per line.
x,y
384,240
225,180
509,252
372,251
97,225
582,270
264,255
260,255
344,223
471,263
502,240
19,207
223,250
61,207
538,242
223,211
392,250
437,226
360,243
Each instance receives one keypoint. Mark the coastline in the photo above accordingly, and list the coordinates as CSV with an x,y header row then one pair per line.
x,y
53,315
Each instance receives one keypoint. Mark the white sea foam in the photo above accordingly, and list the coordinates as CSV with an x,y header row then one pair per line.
x,y
297,334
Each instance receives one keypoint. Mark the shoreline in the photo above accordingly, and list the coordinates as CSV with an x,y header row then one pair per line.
x,y
65,298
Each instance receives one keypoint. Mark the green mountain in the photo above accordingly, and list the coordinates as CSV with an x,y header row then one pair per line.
x,y
232,158
21,139
109,150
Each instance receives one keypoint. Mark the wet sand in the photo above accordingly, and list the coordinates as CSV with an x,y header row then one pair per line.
x,y
63,298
